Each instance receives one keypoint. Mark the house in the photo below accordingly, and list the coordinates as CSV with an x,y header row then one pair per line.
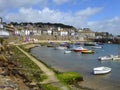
x,y
86,33
3,32
9,28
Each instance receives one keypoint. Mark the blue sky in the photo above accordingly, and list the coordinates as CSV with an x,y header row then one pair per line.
x,y
98,15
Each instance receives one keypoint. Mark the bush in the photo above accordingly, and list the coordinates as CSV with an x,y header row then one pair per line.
x,y
70,77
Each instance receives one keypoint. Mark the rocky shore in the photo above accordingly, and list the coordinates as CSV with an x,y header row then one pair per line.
x,y
12,78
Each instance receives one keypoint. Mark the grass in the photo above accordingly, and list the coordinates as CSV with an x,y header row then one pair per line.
x,y
49,87
69,77
29,68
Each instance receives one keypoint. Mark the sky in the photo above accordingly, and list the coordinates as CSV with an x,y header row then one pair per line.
x,y
98,15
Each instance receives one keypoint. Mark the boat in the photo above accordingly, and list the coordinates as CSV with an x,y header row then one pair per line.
x,y
79,49
90,44
96,47
88,52
109,57
101,70
67,51
117,57
60,48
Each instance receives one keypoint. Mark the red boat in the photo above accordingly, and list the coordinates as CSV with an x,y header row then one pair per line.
x,y
79,49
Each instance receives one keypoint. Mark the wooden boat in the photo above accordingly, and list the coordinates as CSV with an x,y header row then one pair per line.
x,y
101,70
88,52
79,49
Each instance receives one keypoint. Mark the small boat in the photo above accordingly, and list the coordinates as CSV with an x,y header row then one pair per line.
x,y
88,52
101,70
96,47
79,49
90,44
67,51
109,57
117,57
60,47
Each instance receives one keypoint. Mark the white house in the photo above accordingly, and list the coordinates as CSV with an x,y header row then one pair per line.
x,y
4,33
63,33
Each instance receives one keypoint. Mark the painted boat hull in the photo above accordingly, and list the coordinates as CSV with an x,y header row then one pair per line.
x,y
79,49
88,52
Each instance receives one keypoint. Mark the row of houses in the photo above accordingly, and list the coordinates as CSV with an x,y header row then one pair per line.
x,y
84,33
47,30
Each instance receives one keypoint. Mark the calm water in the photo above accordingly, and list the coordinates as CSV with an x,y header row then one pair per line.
x,y
84,64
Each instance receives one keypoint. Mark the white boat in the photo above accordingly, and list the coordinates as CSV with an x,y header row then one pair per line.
x,y
96,47
61,47
109,57
67,51
79,49
101,70
117,57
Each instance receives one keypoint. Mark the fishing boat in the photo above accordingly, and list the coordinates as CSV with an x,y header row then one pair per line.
x,y
88,52
101,70
79,49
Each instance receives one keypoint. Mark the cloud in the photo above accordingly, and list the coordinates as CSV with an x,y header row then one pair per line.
x,y
110,25
6,4
88,11
77,19
60,1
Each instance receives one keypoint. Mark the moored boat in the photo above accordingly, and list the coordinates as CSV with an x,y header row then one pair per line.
x,y
101,70
90,44
60,47
117,57
67,51
96,47
79,49
109,57
88,52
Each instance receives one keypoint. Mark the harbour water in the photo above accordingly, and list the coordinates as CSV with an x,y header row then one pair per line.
x,y
83,64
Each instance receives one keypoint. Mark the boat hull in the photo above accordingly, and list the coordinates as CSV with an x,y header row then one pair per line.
x,y
79,50
101,70
67,52
87,52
